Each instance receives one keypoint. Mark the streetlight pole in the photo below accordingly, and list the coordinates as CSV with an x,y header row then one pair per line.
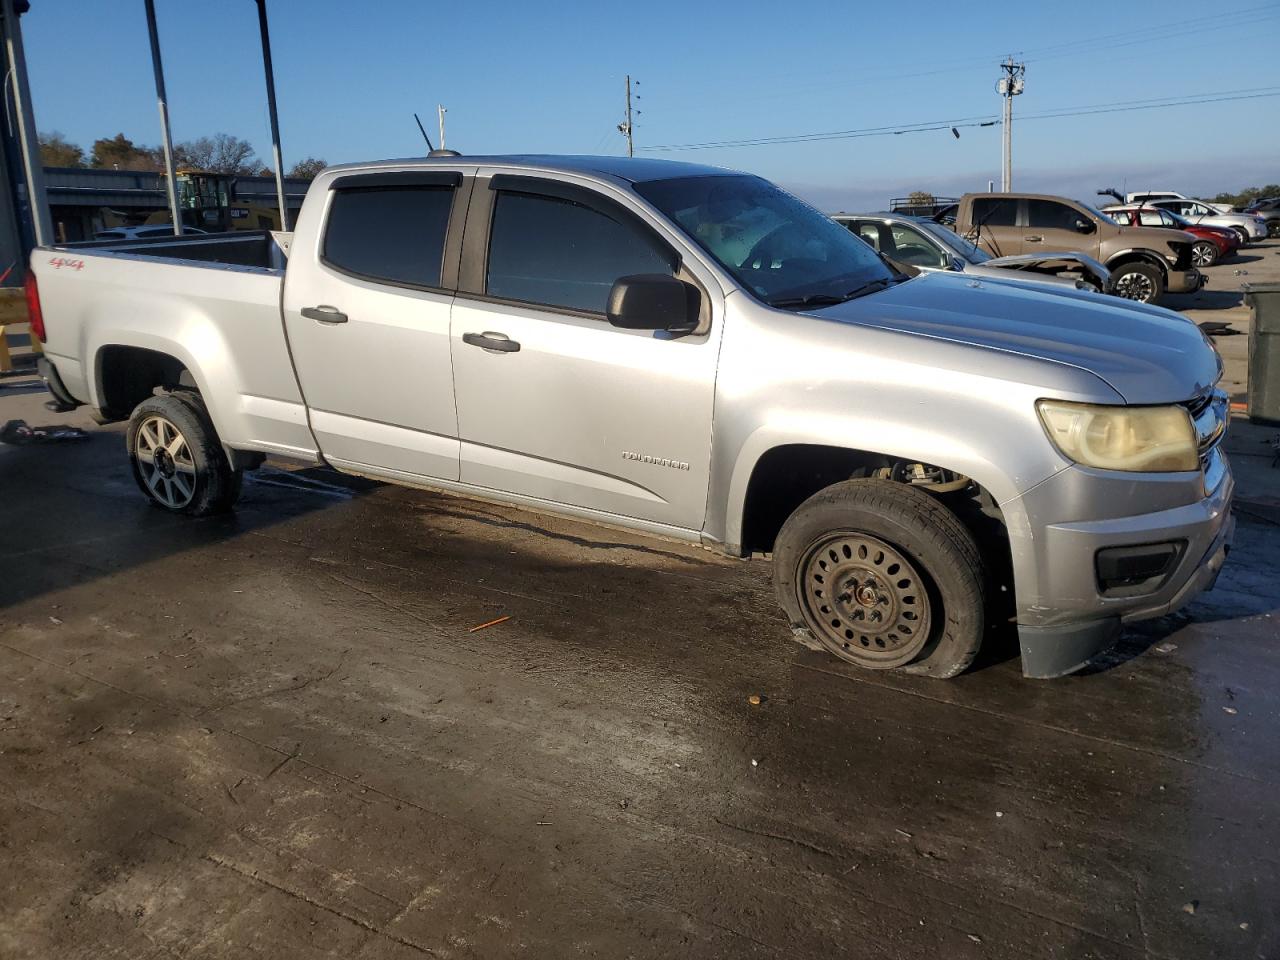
x,y
171,181
271,107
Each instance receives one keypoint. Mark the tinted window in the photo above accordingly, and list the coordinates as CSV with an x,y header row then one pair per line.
x,y
995,212
1049,215
557,252
389,233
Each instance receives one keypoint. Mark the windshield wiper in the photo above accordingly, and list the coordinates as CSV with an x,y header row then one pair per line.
x,y
827,299
812,300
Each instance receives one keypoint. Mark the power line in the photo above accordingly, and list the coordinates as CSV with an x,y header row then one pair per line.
x,y
984,121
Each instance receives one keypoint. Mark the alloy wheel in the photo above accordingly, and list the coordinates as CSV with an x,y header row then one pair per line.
x,y
865,600
1204,254
1135,286
165,462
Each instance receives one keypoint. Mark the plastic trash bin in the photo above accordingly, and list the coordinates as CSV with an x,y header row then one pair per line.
x,y
1264,351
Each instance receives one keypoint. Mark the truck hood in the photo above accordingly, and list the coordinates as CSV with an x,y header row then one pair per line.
x,y
1154,238
1146,354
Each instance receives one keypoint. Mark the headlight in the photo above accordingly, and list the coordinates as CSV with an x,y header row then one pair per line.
x,y
1143,439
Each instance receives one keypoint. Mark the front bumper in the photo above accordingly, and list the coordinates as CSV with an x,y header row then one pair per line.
x,y
1063,617
1185,281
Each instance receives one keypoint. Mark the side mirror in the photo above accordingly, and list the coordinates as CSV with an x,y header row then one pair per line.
x,y
955,264
653,301
1084,226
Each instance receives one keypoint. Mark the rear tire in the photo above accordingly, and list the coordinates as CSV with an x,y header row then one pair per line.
x,y
1138,281
881,575
177,459
1204,254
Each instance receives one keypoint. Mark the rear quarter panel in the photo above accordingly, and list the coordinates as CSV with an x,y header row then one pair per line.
x,y
222,323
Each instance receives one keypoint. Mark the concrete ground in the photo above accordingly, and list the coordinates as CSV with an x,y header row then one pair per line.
x,y
279,734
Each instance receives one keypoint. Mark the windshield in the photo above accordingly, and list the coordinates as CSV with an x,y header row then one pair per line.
x,y
778,247
1097,213
971,252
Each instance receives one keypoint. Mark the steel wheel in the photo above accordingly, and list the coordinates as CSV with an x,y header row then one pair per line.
x,y
165,462
865,600
1204,254
1135,286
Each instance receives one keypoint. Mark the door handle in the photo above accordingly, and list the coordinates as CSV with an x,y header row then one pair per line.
x,y
491,341
325,314
1033,239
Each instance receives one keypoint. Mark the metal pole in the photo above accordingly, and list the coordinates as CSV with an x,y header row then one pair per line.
x,y
28,139
171,180
1006,172
440,112
275,120
630,143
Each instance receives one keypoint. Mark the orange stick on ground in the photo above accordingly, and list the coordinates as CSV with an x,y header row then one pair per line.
x,y
489,624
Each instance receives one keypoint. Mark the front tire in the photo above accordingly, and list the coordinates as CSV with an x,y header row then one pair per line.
x,y
177,459
1139,281
1204,254
881,575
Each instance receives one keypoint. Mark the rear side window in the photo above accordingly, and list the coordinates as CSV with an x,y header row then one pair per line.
x,y
553,251
391,234
995,212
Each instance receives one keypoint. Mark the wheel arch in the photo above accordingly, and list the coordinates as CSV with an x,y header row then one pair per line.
x,y
1139,255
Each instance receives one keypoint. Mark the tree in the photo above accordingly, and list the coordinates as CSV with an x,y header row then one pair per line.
x,y
921,198
121,153
308,168
221,153
1247,196
56,151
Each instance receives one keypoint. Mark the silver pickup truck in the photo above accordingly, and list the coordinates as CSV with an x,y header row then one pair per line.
x,y
688,352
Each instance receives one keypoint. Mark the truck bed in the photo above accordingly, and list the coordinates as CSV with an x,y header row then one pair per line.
x,y
263,249
212,301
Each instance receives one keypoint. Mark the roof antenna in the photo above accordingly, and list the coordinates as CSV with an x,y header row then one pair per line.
x,y
430,148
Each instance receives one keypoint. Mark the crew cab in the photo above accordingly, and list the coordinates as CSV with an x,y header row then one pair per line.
x,y
1145,262
687,352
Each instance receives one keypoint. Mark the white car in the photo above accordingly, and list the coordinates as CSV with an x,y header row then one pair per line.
x,y
1249,227
1145,196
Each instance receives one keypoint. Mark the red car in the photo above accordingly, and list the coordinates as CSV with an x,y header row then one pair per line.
x,y
1212,243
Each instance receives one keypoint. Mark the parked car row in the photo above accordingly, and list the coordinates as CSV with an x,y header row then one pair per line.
x,y
1211,244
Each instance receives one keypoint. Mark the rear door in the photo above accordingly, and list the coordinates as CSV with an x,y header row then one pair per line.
x,y
554,403
994,225
367,313
1051,225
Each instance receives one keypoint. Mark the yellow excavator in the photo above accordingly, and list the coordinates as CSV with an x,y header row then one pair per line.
x,y
208,202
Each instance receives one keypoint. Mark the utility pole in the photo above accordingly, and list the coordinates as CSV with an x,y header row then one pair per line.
x,y
170,179
15,68
440,112
1009,86
625,127
271,106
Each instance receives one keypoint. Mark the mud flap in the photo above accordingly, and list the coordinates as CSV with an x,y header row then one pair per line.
x,y
1049,652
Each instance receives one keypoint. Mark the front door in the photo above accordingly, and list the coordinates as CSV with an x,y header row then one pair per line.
x,y
1055,226
554,403
368,320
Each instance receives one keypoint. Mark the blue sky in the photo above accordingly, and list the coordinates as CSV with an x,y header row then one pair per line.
x,y
528,77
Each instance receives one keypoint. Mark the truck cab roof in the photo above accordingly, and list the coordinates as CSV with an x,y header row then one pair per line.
x,y
626,169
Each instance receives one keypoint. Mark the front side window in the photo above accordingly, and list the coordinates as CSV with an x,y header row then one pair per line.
x,y
912,247
553,251
778,247
390,234
1050,215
